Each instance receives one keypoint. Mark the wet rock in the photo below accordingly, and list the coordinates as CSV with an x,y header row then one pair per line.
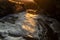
x,y
13,38
13,31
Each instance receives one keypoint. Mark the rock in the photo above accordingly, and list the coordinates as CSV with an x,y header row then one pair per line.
x,y
13,38
27,25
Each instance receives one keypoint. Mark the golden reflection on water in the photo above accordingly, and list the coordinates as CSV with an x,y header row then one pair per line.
x,y
30,23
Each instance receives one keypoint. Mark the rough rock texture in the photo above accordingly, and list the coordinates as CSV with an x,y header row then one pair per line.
x,y
11,27
19,27
28,26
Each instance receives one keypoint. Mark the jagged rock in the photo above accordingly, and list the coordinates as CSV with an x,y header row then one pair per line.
x,y
10,31
27,26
